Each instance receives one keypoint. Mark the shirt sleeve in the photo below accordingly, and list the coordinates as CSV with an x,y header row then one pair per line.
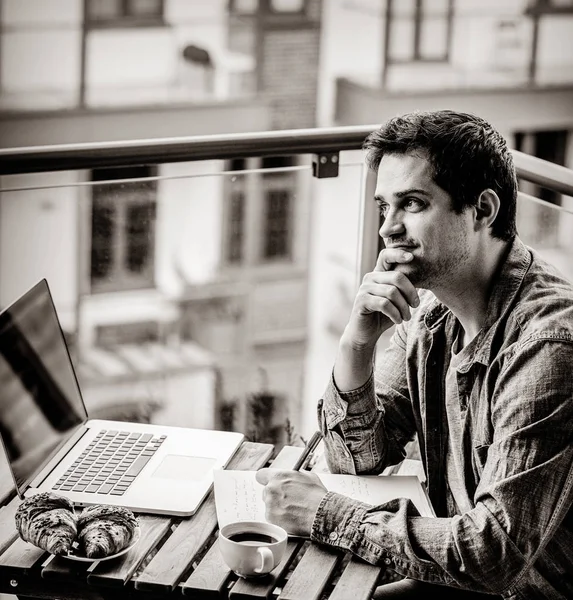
x,y
524,494
365,430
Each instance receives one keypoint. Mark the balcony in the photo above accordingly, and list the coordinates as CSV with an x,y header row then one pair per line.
x,y
205,281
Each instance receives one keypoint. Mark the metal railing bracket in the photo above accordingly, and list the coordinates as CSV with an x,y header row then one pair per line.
x,y
325,165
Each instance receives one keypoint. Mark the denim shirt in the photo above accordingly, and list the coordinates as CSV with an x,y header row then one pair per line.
x,y
516,396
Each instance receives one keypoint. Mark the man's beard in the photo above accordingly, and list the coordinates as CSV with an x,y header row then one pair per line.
x,y
428,275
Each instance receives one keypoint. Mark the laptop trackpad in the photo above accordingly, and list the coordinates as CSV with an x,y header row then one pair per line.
x,y
186,468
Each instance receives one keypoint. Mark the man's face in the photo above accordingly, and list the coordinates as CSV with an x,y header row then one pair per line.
x,y
420,219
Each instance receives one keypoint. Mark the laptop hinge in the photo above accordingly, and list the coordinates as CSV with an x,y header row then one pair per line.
x,y
56,459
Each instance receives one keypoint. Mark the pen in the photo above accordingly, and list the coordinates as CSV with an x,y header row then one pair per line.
x,y
308,450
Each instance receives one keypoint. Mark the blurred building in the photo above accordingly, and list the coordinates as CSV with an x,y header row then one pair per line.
x,y
190,288
181,288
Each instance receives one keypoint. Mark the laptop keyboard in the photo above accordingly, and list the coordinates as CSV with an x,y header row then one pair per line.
x,y
110,463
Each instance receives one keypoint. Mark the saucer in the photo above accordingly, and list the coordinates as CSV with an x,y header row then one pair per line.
x,y
75,555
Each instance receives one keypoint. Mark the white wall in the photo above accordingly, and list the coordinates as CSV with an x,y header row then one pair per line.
x,y
555,52
352,42
41,44
130,57
189,217
38,238
202,23
41,48
116,308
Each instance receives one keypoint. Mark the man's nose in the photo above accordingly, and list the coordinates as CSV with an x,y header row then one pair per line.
x,y
391,225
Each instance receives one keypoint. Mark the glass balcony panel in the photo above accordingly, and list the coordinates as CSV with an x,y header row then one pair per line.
x,y
209,294
547,228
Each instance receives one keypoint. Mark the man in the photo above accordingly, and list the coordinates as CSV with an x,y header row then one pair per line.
x,y
478,368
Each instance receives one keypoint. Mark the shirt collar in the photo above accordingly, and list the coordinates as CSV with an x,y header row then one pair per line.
x,y
506,285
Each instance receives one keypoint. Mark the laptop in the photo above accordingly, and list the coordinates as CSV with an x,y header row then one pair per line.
x,y
52,445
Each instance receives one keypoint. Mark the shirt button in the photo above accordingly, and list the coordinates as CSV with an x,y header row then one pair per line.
x,y
339,412
333,536
387,561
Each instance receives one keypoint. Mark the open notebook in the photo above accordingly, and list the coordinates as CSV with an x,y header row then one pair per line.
x,y
239,497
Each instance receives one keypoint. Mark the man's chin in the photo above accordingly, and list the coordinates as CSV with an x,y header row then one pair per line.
x,y
412,272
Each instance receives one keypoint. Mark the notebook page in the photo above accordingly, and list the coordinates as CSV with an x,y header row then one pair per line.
x,y
239,497
377,489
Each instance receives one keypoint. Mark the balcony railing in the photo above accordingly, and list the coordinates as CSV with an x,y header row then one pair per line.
x,y
324,145
214,272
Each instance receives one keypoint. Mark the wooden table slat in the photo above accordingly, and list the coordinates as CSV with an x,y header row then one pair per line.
x,y
116,573
8,531
287,457
245,589
58,568
357,581
311,575
211,575
174,560
34,588
21,556
176,556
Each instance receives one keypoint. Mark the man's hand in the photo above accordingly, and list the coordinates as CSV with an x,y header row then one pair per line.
x,y
291,498
384,299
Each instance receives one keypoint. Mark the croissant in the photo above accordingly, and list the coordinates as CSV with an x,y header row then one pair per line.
x,y
47,521
105,530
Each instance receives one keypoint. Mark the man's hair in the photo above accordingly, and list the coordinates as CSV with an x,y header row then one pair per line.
x,y
466,153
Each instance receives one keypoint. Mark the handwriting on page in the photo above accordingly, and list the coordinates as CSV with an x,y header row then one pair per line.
x,y
357,488
238,497
376,489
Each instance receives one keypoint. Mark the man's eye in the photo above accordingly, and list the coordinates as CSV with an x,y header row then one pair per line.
x,y
413,204
383,209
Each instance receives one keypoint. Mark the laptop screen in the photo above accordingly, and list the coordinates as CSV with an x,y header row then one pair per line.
x,y
40,401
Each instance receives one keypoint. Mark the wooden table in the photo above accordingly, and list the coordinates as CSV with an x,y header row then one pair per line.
x,y
179,558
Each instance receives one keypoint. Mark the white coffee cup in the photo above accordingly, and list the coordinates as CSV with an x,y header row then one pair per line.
x,y
252,548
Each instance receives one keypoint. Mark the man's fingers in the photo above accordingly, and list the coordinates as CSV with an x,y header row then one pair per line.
x,y
263,476
388,257
386,307
402,285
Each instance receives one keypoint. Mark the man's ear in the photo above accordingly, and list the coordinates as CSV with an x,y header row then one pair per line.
x,y
486,209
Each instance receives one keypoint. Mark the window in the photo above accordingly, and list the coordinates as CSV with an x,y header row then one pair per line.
x,y
277,224
287,6
419,30
262,203
236,227
244,7
251,7
236,212
122,230
278,186
553,6
124,12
